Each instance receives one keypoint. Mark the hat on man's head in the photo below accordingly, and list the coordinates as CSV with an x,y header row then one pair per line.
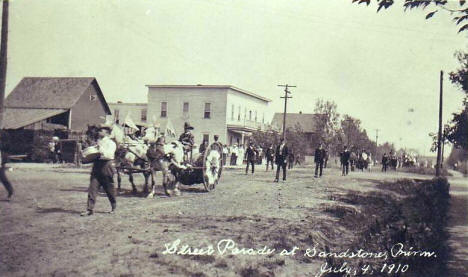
x,y
187,126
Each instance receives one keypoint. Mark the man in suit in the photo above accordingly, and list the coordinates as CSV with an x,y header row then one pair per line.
x,y
281,158
269,155
102,173
250,156
345,155
319,160
384,162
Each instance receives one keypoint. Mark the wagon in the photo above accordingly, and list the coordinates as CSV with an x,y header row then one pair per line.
x,y
206,168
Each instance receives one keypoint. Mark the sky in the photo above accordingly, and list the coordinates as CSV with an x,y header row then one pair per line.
x,y
382,68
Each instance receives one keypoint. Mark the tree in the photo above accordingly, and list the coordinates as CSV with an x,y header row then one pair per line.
x,y
266,138
458,129
328,124
457,132
460,13
296,140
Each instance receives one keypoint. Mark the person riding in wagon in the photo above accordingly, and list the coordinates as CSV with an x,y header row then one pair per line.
x,y
187,140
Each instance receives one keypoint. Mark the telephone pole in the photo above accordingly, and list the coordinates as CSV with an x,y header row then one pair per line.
x,y
3,57
439,136
376,141
286,97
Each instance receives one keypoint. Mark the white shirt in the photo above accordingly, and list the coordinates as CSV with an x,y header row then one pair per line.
x,y
107,148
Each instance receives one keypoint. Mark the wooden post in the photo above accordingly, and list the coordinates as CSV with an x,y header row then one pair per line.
x,y
439,136
3,58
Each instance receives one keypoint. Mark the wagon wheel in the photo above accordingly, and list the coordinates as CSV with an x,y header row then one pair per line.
x,y
212,166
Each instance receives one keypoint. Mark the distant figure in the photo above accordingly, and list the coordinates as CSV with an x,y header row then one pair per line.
x,y
225,153
325,159
203,146
234,152
319,160
290,160
240,155
281,155
298,160
52,146
270,154
384,162
345,155
250,156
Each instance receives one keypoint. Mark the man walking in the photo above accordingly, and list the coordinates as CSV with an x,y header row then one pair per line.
x,y
269,157
345,161
384,162
250,156
103,170
319,159
281,158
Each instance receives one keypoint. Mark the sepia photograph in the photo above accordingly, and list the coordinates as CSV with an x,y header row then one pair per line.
x,y
225,138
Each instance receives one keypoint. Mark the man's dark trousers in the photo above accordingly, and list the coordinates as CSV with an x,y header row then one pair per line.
x,y
268,162
318,165
101,175
345,168
281,165
252,162
5,181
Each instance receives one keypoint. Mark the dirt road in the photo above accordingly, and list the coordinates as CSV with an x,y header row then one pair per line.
x,y
43,234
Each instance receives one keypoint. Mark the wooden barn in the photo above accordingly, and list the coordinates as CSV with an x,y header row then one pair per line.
x,y
55,103
39,108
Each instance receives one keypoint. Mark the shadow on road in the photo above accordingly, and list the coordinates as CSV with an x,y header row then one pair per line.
x,y
56,210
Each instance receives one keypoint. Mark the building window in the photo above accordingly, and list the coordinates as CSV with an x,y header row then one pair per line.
x,y
238,114
250,115
186,107
143,114
206,137
232,112
116,115
255,116
207,110
163,109
263,118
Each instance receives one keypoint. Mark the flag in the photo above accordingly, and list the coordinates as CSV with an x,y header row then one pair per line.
x,y
129,122
169,129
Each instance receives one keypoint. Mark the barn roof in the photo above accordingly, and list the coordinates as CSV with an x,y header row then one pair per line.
x,y
308,122
14,118
51,92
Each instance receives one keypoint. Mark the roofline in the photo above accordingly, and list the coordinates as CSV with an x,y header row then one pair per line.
x,y
213,86
123,103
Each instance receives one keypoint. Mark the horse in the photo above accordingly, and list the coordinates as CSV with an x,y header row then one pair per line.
x,y
167,158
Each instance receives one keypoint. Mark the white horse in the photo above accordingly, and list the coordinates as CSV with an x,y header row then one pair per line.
x,y
131,155
167,155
